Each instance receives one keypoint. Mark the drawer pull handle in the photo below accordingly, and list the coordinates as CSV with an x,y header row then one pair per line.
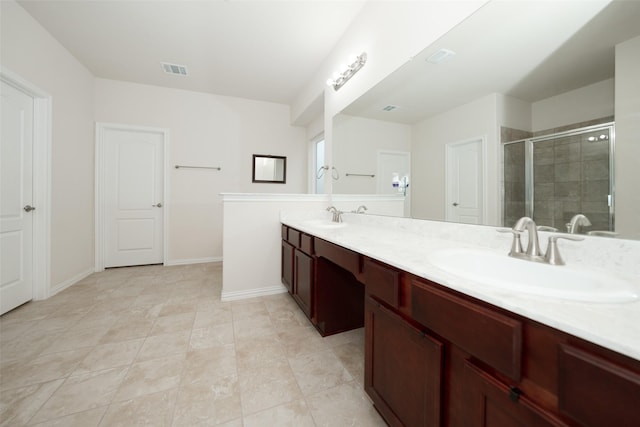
x,y
514,393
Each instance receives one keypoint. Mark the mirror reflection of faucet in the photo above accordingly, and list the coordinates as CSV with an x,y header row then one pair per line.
x,y
577,221
361,209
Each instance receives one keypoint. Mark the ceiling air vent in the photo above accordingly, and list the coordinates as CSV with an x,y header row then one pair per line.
x,y
390,108
440,56
175,69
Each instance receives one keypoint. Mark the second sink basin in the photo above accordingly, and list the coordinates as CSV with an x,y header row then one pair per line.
x,y
521,276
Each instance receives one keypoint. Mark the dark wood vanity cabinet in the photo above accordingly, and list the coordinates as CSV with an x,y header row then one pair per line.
x,y
437,357
286,265
298,267
488,402
304,276
323,281
403,368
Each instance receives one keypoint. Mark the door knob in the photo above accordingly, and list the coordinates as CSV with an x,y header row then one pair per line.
x,y
29,208
455,204
159,205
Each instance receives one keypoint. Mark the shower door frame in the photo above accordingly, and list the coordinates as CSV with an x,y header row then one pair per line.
x,y
529,176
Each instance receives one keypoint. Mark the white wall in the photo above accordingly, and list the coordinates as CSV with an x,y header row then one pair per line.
x,y
206,130
586,103
357,141
252,241
514,113
252,234
627,149
429,139
391,33
28,50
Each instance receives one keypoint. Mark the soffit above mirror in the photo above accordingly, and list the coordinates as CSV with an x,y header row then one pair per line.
x,y
527,50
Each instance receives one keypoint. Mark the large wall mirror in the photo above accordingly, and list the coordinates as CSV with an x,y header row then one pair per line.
x,y
269,169
446,121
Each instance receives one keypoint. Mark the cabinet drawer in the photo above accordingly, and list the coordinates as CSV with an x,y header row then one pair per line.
x,y
489,336
382,282
338,255
596,392
285,232
294,237
306,244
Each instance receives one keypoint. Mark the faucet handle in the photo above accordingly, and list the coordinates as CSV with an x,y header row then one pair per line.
x,y
552,256
516,244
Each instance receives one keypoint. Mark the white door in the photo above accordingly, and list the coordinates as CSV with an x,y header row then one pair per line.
x,y
390,163
134,175
465,183
16,189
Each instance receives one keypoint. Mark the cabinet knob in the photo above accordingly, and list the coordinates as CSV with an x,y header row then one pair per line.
x,y
514,393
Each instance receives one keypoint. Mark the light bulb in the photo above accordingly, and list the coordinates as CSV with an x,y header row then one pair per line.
x,y
329,82
336,75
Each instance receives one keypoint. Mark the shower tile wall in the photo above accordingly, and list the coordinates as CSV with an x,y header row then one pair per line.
x,y
571,175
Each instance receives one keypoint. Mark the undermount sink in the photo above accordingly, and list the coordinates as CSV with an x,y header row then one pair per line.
x,y
322,223
521,276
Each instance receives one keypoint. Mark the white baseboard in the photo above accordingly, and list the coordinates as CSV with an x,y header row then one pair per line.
x,y
193,261
252,293
69,282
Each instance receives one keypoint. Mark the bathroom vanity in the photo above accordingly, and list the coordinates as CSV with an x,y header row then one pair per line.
x,y
439,354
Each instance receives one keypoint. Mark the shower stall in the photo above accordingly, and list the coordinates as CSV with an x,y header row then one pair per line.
x,y
552,178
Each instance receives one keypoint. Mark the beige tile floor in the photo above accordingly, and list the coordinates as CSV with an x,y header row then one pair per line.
x,y
155,346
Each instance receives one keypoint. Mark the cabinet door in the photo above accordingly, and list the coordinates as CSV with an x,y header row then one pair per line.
x,y
304,280
595,391
491,403
403,369
286,265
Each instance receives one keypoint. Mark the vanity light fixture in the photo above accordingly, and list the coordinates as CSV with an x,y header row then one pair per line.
x,y
347,71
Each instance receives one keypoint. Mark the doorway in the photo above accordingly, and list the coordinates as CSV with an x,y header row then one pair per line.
x,y
465,180
130,196
25,181
394,175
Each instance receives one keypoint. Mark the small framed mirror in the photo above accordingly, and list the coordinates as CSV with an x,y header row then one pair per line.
x,y
269,169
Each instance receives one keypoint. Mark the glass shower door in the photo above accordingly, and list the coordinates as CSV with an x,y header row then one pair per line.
x,y
552,178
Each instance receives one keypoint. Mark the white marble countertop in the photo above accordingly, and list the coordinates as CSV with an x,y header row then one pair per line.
x,y
407,244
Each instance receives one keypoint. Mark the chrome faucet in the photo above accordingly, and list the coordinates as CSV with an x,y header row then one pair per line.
x,y
578,220
552,255
337,215
361,209
533,245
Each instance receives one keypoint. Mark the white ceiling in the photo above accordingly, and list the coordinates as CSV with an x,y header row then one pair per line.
x,y
263,50
530,50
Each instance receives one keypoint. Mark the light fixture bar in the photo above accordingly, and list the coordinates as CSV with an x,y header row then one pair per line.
x,y
343,76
